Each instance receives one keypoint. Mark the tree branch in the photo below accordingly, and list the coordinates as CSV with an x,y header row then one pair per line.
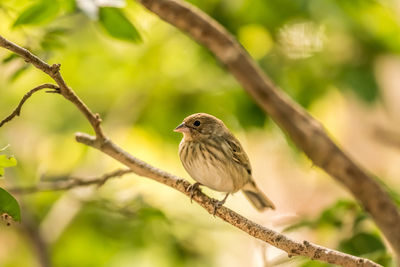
x,y
29,225
293,248
387,137
306,132
70,183
17,110
54,72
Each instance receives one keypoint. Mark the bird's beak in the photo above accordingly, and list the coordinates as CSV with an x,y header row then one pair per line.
x,y
182,128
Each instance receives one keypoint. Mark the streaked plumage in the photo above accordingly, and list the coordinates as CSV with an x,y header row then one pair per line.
x,y
214,157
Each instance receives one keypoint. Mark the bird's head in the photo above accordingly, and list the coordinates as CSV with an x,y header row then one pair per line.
x,y
200,125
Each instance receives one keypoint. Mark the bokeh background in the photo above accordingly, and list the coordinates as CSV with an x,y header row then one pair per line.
x,y
339,59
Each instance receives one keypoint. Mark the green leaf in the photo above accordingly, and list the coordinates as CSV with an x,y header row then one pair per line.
x,y
332,216
117,24
361,80
69,6
150,213
298,225
52,39
9,205
6,162
362,243
38,13
10,58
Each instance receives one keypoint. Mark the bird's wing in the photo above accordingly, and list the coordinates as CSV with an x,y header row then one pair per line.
x,y
238,154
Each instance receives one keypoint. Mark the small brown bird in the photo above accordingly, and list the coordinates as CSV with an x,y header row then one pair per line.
x,y
214,158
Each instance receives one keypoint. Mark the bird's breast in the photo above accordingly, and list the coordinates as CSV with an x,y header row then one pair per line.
x,y
212,166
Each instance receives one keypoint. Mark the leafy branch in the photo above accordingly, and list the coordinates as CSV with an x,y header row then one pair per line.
x,y
102,143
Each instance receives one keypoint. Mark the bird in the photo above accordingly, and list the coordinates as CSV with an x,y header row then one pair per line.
x,y
214,158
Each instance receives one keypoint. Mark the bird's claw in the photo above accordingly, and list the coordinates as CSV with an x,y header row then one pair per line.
x,y
192,188
217,204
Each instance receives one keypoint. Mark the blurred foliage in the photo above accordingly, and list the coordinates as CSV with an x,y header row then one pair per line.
x,y
6,161
307,47
119,232
351,41
8,205
135,70
117,25
350,225
37,13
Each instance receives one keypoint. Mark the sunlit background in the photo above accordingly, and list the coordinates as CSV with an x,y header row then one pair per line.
x,y
338,59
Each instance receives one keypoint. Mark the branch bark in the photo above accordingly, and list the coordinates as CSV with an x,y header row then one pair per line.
x,y
17,110
70,182
387,137
292,247
101,142
307,133
54,72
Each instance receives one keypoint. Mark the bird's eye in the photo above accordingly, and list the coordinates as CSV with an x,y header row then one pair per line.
x,y
196,123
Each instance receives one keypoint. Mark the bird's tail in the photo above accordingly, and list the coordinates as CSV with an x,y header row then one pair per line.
x,y
256,197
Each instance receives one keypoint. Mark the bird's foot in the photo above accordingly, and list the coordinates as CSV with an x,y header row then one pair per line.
x,y
192,188
218,203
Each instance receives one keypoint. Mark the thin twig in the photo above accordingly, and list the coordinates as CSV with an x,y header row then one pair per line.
x,y
70,183
5,147
305,131
139,167
54,72
17,110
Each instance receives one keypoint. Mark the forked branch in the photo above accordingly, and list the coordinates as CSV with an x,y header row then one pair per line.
x,y
293,248
54,72
17,110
